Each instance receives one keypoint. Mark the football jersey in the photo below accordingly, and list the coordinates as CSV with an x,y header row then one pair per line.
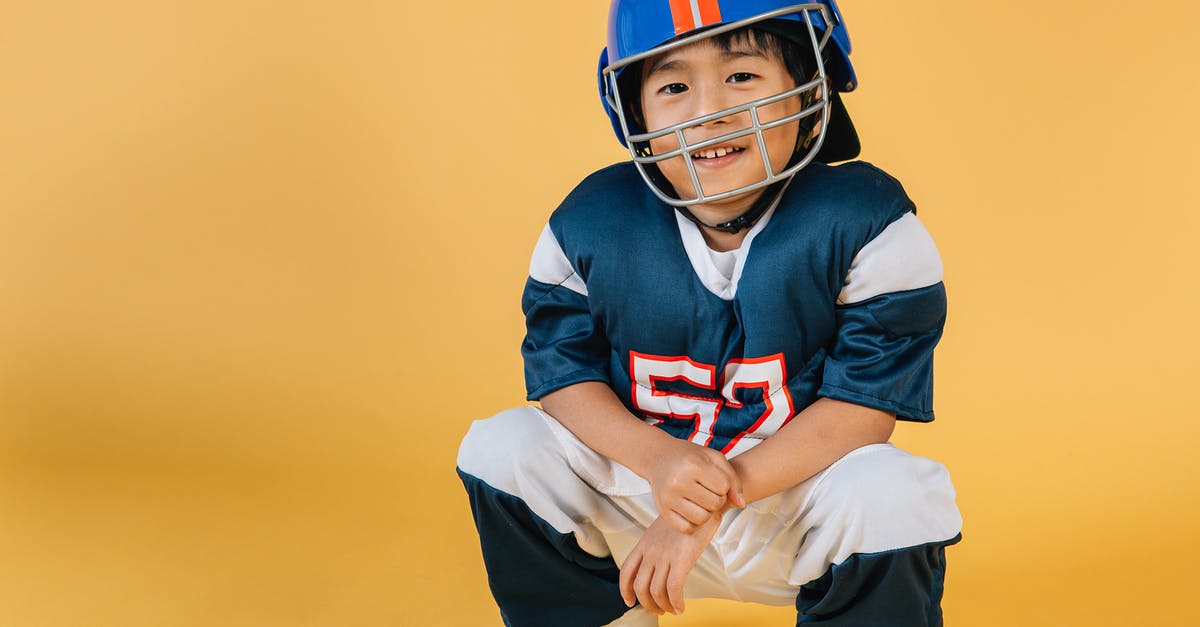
x,y
835,292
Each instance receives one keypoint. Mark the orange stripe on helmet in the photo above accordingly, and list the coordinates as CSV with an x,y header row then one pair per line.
x,y
710,12
681,15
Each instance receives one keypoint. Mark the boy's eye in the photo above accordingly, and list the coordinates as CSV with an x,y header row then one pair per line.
x,y
674,88
740,77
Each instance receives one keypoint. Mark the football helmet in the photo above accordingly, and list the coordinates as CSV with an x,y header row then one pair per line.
x,y
641,29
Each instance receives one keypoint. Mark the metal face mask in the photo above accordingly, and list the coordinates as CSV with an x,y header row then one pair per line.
x,y
633,23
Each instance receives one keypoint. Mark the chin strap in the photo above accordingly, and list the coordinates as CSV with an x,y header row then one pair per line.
x,y
744,221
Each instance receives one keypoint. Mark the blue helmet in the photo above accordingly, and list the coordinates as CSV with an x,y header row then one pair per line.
x,y
640,29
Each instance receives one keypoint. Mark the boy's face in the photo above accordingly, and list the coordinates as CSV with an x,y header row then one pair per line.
x,y
700,79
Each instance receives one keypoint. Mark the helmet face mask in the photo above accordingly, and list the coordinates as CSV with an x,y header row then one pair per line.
x,y
756,119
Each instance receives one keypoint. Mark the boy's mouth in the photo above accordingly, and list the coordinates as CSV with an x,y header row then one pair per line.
x,y
716,152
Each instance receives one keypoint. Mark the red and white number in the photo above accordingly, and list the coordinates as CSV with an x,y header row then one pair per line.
x,y
647,370
768,373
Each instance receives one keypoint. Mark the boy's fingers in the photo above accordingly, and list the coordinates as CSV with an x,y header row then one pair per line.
x,y
715,482
641,586
629,569
675,581
723,486
679,523
658,588
725,476
735,492
706,499
694,514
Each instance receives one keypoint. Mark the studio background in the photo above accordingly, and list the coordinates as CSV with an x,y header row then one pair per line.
x,y
260,266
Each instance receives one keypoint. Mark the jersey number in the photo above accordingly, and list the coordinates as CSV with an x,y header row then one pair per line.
x,y
767,373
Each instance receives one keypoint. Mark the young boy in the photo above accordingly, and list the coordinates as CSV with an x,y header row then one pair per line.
x,y
722,334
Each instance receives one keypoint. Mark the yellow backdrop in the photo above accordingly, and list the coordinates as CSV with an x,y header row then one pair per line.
x,y
260,265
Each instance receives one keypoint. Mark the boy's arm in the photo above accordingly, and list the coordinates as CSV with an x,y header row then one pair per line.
x,y
689,482
815,438
596,416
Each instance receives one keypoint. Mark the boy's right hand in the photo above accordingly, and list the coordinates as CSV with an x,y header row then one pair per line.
x,y
691,483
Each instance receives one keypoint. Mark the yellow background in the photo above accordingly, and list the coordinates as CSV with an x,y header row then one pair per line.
x,y
260,265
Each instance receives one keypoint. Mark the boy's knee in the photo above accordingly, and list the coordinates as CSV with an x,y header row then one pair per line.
x,y
501,449
887,499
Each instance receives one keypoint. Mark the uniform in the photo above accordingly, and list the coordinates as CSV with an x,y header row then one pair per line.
x,y
836,292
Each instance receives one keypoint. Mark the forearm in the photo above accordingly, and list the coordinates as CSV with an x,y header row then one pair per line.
x,y
592,411
815,438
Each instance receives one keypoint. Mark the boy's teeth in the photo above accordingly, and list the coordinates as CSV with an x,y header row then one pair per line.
x,y
713,153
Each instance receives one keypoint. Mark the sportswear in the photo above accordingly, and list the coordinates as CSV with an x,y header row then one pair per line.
x,y
836,292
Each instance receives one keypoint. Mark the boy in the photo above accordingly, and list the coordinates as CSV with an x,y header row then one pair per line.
x,y
722,334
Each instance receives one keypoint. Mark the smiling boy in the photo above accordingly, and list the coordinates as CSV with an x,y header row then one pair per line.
x,y
722,334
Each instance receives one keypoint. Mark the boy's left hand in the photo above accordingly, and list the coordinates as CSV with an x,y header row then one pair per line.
x,y
655,570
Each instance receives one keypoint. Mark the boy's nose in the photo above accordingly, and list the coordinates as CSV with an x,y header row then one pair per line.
x,y
711,100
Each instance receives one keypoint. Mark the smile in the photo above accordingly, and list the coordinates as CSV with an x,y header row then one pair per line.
x,y
713,153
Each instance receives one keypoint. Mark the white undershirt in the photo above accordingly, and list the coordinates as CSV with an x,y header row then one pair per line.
x,y
724,261
719,272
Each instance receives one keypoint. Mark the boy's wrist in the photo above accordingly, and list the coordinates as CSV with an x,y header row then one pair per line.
x,y
739,468
652,450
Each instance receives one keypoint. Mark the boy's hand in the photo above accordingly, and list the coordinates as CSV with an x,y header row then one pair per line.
x,y
655,570
691,483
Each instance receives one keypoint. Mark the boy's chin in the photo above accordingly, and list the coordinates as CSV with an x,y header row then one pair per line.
x,y
726,209
716,187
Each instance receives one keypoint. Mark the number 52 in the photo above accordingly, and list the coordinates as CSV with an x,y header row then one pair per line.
x,y
768,373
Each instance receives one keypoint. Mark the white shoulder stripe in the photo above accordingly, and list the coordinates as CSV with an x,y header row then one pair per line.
x,y
551,266
902,257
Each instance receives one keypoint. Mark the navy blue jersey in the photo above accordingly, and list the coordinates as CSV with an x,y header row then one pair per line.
x,y
836,292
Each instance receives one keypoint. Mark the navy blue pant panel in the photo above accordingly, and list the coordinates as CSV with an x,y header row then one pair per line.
x,y
540,577
900,588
